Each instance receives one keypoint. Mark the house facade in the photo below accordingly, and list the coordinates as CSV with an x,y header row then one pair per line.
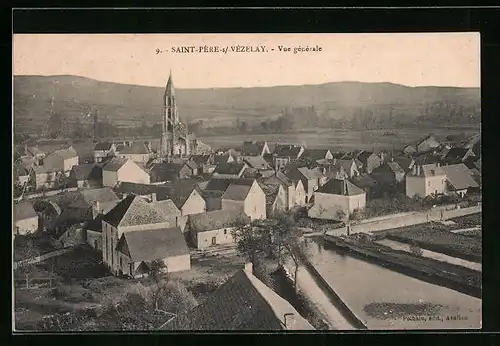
x,y
61,160
215,227
245,197
137,152
427,144
103,150
123,170
233,170
337,199
459,179
25,218
369,160
425,180
137,250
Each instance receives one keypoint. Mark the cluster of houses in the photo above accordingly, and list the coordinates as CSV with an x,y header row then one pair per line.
x,y
136,209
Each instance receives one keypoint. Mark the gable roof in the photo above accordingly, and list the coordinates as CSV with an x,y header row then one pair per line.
x,y
104,194
252,148
24,210
315,154
219,159
129,188
103,146
257,162
236,192
287,150
340,187
232,168
94,225
346,164
394,166
115,164
167,207
459,176
310,174
243,302
217,219
166,171
155,244
133,211
181,190
135,148
406,163
86,171
67,153
457,153
200,159
363,181
364,156
216,184
278,178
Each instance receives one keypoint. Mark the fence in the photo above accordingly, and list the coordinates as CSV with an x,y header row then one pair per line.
x,y
41,258
404,220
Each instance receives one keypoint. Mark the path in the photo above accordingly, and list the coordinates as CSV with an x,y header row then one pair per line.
x,y
307,285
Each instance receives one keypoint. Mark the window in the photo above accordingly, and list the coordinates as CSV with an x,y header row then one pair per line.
x,y
121,263
225,231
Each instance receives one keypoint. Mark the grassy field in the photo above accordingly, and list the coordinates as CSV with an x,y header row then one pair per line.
x,y
467,221
438,238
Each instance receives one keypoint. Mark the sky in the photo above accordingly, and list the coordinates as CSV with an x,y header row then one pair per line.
x,y
419,59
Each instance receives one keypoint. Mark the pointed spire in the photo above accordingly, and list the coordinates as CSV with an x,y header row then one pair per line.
x,y
169,91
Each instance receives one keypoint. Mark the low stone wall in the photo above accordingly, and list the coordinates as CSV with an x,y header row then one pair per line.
x,y
41,258
404,220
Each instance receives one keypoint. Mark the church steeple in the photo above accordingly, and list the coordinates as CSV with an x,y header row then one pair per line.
x,y
169,89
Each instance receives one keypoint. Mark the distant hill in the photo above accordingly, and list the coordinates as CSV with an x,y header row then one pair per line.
x,y
129,105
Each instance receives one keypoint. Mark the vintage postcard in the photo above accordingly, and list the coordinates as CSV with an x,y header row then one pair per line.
x,y
246,182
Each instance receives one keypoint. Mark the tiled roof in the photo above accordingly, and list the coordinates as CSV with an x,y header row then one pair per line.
x,y
217,219
430,170
287,150
243,302
114,164
233,168
363,156
135,148
166,171
167,207
252,148
459,176
87,171
256,162
346,164
104,194
155,244
363,180
222,184
340,187
310,174
181,190
24,210
218,159
315,154
130,188
406,163
456,153
95,224
201,159
133,211
395,168
236,192
103,146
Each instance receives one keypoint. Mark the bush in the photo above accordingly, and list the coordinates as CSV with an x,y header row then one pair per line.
x,y
416,250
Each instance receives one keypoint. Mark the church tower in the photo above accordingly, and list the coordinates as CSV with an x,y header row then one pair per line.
x,y
174,139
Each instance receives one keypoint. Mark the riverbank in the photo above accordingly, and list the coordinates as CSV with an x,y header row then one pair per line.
x,y
448,275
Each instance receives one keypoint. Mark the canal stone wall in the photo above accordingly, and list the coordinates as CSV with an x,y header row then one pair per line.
x,y
404,220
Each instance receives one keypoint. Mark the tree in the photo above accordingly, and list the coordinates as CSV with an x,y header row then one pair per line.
x,y
156,269
415,249
28,250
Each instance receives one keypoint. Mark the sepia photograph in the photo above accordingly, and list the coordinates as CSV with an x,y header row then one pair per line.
x,y
246,182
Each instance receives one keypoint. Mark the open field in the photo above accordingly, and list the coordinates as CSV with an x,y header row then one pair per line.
x,y
436,237
467,221
335,139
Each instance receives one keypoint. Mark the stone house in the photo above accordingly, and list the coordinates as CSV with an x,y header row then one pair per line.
x,y
85,175
61,160
205,163
389,176
243,302
459,179
335,199
349,167
137,152
137,250
285,154
215,227
366,183
276,199
45,178
425,180
123,170
311,179
92,232
233,170
25,218
428,143
245,195
369,160
254,148
163,172
103,150
458,155
135,215
288,185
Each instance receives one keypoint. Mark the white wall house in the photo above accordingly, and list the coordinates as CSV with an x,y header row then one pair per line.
x,y
425,180
249,198
123,170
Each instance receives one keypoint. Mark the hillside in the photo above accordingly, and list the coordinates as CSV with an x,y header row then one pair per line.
x,y
129,105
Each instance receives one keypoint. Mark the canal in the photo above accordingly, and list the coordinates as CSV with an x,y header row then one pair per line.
x,y
384,299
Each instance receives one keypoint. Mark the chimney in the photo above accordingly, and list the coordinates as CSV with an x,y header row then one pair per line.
x,y
249,267
153,197
289,321
96,209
